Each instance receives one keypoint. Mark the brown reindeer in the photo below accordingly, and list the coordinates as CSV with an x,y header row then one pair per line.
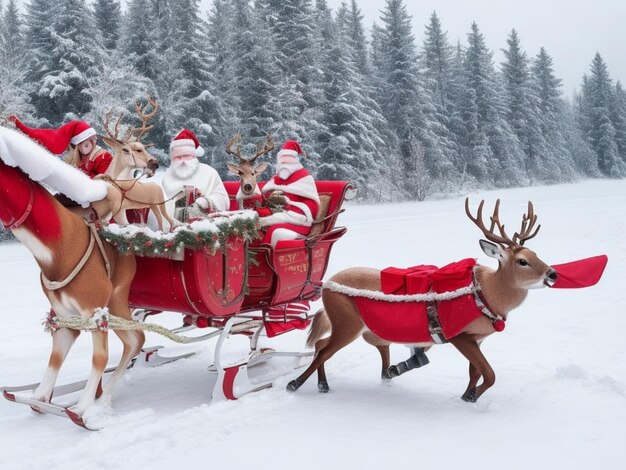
x,y
247,171
130,153
79,274
501,290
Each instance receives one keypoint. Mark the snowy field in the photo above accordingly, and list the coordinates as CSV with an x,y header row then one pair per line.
x,y
559,401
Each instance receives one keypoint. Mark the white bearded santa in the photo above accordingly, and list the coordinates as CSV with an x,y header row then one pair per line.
x,y
300,193
189,178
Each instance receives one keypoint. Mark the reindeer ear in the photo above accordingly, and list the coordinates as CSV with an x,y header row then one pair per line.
x,y
233,168
260,168
110,141
491,249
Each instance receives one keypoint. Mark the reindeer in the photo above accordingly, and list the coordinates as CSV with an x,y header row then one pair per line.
x,y
80,274
130,153
246,169
501,290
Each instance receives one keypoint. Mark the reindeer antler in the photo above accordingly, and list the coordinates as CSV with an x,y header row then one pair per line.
x,y
105,123
526,232
144,117
267,147
528,222
503,238
229,146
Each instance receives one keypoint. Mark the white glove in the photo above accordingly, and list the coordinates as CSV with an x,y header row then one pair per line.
x,y
203,202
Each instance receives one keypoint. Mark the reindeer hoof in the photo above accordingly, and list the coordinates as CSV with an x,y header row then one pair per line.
x,y
294,385
323,387
470,396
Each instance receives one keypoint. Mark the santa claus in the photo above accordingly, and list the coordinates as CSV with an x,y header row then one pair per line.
x,y
187,177
301,200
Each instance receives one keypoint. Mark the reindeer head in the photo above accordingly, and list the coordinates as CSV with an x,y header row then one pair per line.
x,y
519,265
129,150
246,169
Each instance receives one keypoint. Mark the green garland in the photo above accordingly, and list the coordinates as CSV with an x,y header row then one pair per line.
x,y
208,234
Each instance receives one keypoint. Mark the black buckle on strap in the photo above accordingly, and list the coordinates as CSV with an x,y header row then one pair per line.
x,y
434,326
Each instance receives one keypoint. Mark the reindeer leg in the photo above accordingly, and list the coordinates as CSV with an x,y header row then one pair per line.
x,y
479,366
62,341
132,340
99,361
386,361
159,218
322,382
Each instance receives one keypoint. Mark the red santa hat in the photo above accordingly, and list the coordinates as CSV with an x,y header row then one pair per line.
x,y
57,140
186,140
290,148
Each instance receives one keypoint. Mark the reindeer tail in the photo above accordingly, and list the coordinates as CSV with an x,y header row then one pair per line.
x,y
319,327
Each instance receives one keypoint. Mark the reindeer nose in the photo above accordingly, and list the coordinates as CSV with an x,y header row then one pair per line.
x,y
247,187
153,164
551,277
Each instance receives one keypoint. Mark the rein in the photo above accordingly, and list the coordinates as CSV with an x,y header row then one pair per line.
x,y
29,208
93,239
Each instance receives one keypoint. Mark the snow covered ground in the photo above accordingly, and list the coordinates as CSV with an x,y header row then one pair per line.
x,y
559,400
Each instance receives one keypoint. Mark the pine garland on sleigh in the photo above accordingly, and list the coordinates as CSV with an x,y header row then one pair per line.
x,y
210,234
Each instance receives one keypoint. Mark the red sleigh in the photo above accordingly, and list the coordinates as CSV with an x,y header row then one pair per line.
x,y
246,289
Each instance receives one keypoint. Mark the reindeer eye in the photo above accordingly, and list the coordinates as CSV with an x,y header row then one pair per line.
x,y
522,262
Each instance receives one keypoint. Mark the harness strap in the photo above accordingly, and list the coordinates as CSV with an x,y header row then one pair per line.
x,y
107,263
434,325
16,223
55,285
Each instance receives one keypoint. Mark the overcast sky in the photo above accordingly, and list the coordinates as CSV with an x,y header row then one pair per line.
x,y
572,31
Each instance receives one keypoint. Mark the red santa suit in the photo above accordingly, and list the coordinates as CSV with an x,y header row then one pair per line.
x,y
187,171
300,191
97,163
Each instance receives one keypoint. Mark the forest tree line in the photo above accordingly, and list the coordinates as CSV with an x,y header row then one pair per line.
x,y
402,120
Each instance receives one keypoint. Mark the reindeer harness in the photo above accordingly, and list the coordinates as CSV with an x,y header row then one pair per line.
x,y
93,239
422,304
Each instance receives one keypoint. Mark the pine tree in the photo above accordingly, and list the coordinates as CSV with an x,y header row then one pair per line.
x,y
73,54
108,20
351,143
401,96
138,40
522,111
551,110
437,76
255,73
13,64
597,96
618,118
494,153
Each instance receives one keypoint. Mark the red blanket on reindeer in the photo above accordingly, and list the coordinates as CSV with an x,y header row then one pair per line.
x,y
400,312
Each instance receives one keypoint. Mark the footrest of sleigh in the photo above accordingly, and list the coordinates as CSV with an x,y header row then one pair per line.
x,y
260,370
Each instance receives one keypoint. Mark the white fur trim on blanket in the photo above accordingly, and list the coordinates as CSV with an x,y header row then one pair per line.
x,y
17,150
304,187
378,295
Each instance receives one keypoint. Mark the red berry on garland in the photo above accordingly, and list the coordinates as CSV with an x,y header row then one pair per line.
x,y
148,244
499,325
